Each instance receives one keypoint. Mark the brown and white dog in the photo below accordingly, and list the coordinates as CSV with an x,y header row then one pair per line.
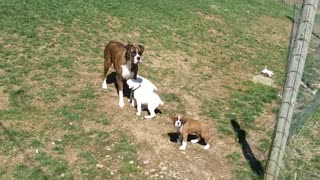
x,y
186,126
125,60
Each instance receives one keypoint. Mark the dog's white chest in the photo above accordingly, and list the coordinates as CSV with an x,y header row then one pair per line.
x,y
126,71
180,129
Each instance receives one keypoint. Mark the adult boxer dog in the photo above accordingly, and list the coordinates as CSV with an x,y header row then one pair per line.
x,y
125,60
186,126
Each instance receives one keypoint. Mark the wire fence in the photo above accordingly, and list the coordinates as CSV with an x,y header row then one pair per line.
x,y
306,100
302,158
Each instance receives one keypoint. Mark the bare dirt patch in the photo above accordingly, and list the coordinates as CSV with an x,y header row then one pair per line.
x,y
160,157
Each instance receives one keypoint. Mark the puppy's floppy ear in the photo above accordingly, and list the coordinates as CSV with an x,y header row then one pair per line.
x,y
141,48
183,119
128,48
173,117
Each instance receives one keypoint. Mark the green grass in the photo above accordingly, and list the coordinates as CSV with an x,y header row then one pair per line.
x,y
14,139
311,74
176,100
243,104
264,145
242,170
20,97
24,172
127,152
302,155
48,168
249,103
209,110
51,53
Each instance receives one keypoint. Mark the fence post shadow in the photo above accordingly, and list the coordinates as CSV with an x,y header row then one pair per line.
x,y
254,163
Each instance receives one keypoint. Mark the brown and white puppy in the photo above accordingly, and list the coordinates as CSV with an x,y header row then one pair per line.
x,y
186,126
125,60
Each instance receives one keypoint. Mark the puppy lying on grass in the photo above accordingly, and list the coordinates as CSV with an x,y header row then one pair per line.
x,y
143,94
267,72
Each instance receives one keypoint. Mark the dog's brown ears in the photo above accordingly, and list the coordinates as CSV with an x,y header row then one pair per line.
x,y
173,118
141,48
183,120
128,48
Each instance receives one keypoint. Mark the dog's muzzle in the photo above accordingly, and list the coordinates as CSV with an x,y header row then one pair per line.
x,y
177,124
137,59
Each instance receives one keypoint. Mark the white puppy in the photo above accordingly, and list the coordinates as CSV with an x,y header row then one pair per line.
x,y
143,94
267,72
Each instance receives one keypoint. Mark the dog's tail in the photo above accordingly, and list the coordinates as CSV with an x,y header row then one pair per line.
x,y
211,135
161,102
154,87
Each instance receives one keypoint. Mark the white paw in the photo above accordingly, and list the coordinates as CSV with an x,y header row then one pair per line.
x,y
182,148
195,140
206,147
121,104
138,113
104,85
150,117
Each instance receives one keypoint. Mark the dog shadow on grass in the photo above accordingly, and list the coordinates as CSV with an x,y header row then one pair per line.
x,y
112,79
145,108
175,135
254,163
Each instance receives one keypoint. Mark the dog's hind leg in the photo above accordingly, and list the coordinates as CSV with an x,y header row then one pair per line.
x,y
151,111
138,108
131,96
133,102
107,64
179,139
206,147
196,140
120,85
208,140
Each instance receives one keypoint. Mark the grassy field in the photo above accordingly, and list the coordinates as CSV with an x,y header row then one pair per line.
x,y
302,158
57,123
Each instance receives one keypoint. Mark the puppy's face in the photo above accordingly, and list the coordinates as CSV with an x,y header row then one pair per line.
x,y
134,52
178,120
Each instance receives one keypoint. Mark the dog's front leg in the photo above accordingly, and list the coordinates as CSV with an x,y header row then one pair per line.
x,y
196,140
184,142
131,96
151,109
179,139
120,84
121,103
138,107
133,102
104,84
